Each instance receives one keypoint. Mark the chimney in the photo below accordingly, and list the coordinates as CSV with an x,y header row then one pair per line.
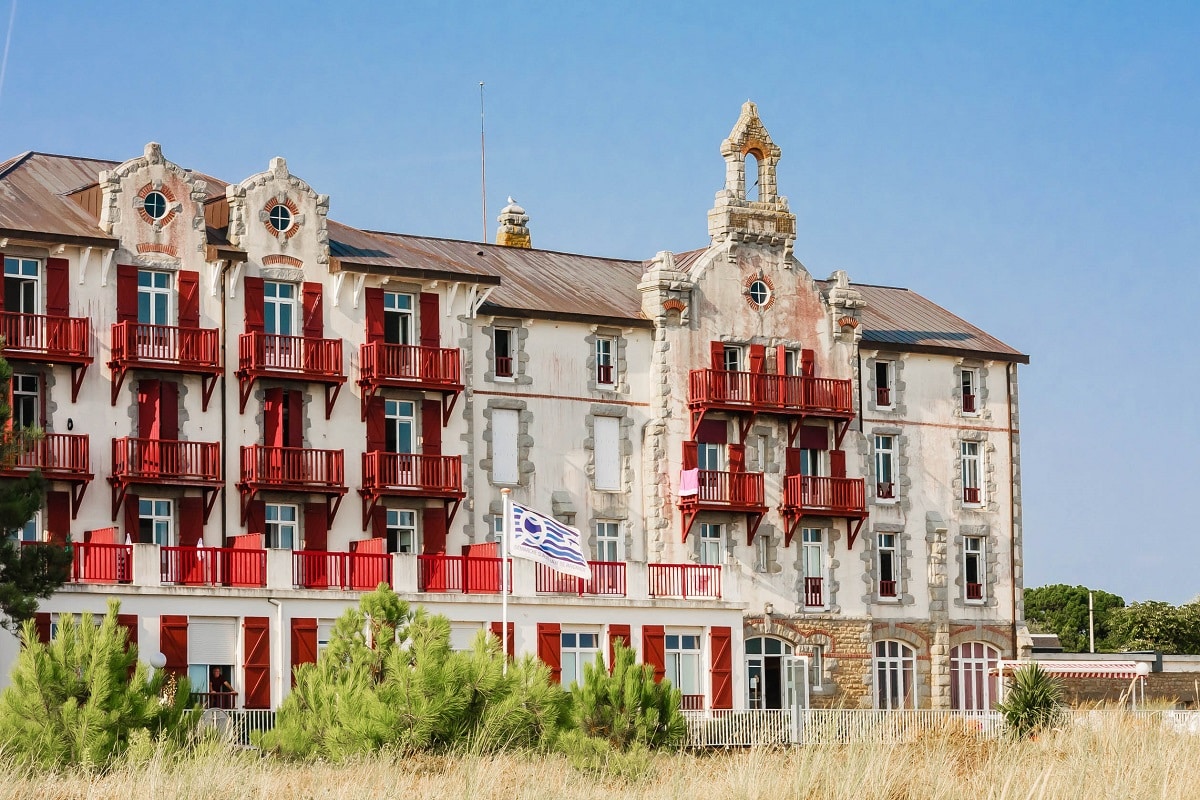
x,y
513,231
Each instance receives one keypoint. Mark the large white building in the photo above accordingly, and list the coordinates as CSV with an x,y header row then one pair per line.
x,y
253,412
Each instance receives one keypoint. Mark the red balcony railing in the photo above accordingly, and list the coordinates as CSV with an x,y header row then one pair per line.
x,y
411,473
102,563
814,595
763,391
41,337
57,455
968,401
883,396
466,574
435,367
312,569
608,579
887,588
166,346
687,581
885,491
299,355
213,566
159,460
974,591
820,495
292,467
732,489
971,494
691,702
504,366
604,374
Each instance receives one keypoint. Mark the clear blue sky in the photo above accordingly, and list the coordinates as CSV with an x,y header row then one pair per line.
x,y
1031,167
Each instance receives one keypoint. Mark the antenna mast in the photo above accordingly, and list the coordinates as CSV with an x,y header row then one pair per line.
x,y
482,165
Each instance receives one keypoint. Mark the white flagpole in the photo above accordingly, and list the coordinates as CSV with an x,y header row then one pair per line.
x,y
505,533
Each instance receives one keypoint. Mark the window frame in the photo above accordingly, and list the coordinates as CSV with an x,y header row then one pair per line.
x,y
20,397
395,529
712,544
972,675
273,529
971,456
733,354
576,654
969,391
608,540
812,547
885,392
405,318
681,651
277,308
974,553
155,314
606,360
19,263
887,562
30,531
885,466
395,420
501,371
898,670
157,518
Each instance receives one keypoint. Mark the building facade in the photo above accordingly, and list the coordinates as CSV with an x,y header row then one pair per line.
x,y
253,413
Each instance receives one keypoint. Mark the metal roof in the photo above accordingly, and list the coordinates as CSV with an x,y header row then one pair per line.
x,y
33,188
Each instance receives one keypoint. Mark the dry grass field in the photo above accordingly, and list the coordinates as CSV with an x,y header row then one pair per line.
x,y
1117,758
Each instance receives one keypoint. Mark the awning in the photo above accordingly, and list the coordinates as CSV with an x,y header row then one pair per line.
x,y
1118,670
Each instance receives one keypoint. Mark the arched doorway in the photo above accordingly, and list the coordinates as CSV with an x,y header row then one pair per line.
x,y
973,677
765,664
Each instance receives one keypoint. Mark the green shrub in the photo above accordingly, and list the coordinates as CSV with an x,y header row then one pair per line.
x,y
1033,702
627,707
596,756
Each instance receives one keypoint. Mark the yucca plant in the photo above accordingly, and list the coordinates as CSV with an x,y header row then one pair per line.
x,y
1034,702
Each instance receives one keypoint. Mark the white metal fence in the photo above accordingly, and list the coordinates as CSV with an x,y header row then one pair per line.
x,y
236,725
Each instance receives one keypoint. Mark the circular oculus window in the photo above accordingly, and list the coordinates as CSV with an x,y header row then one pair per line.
x,y
280,217
155,205
760,293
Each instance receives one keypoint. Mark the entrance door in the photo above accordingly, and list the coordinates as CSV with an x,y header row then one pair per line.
x,y
765,672
796,694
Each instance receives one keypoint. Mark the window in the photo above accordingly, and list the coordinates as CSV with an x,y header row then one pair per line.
x,y
895,667
280,217
888,563
505,465
155,205
21,285
761,448
324,633
733,358
399,434
973,567
885,454
711,543
812,560
155,522
604,361
29,532
816,663
973,678
282,529
26,400
972,488
811,462
608,540
760,293
683,663
578,649
279,308
765,672
710,456
212,652
397,318
792,364
968,391
502,346
401,531
762,553
606,440
154,297
883,384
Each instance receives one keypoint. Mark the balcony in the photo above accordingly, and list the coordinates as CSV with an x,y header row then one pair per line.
x,y
608,580
97,562
410,475
974,591
58,456
313,569
972,495
165,462
300,358
406,366
813,496
814,594
685,581
753,393
887,589
465,574
504,366
738,492
213,566
292,469
42,338
194,351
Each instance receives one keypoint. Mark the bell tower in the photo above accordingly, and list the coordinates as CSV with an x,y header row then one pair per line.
x,y
749,208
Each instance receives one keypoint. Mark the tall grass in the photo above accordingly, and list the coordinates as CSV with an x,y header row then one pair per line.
x,y
1116,757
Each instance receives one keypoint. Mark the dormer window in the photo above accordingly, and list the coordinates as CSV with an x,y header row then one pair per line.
x,y
155,205
280,217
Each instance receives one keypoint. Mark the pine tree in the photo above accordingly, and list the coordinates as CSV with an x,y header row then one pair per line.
x,y
627,707
77,700
27,574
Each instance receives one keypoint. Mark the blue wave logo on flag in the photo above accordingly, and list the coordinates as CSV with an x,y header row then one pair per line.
x,y
547,541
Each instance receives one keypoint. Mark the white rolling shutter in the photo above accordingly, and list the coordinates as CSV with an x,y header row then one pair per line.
x,y
212,640
504,446
462,634
607,443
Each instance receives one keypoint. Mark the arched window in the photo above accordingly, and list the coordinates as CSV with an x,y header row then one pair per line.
x,y
764,671
895,675
752,175
973,678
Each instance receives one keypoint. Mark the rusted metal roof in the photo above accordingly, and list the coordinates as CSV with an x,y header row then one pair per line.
x,y
33,188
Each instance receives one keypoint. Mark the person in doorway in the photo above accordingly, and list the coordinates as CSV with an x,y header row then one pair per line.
x,y
221,690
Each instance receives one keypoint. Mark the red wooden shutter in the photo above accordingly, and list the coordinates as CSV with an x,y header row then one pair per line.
x,y
130,623
376,425
58,291
780,360
379,522
757,358
737,458
497,632
148,394
258,661
373,298
58,517
316,526
713,431
654,649
127,293
721,652
304,643
133,513
256,517
431,427
172,643
168,411
189,299
191,522
617,633
791,461
807,362
294,435
41,621
690,455
273,418
717,351
837,463
252,299
433,531
431,325
314,317
813,438
549,636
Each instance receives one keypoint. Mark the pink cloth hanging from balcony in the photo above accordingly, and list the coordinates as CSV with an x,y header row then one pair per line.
x,y
689,482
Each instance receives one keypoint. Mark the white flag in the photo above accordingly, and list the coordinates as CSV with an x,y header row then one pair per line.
x,y
547,541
